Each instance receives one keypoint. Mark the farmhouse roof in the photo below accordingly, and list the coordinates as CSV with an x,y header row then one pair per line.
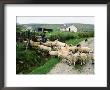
x,y
66,26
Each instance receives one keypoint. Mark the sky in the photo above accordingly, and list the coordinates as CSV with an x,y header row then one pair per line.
x,y
54,20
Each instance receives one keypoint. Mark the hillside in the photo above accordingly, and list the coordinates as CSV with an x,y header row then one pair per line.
x,y
80,27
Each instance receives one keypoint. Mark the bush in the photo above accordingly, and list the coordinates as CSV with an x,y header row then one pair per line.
x,y
62,36
26,59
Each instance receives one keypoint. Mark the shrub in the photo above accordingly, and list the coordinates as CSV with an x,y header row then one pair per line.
x,y
62,36
28,58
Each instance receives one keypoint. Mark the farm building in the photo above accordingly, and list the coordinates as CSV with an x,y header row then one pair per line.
x,y
71,28
44,29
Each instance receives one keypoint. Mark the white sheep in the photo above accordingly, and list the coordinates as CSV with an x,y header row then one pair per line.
x,y
65,48
91,57
69,59
75,58
31,42
25,42
53,53
84,49
74,49
83,58
72,58
48,43
42,47
63,54
55,48
58,43
34,44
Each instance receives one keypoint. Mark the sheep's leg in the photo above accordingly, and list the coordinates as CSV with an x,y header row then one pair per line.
x,y
84,62
74,63
63,61
55,56
92,61
69,63
26,46
81,63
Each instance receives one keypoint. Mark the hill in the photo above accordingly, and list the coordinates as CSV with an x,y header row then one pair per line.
x,y
79,26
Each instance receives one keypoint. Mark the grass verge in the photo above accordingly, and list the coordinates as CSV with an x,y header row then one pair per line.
x,y
74,41
46,67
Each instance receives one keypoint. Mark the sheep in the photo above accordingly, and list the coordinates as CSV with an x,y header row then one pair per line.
x,y
31,42
63,54
25,42
42,47
86,40
91,57
48,43
72,58
65,48
74,49
53,53
83,58
58,43
79,45
51,44
47,48
69,59
34,44
84,49
75,58
70,45
55,48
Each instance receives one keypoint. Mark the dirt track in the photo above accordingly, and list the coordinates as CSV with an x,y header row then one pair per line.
x,y
63,68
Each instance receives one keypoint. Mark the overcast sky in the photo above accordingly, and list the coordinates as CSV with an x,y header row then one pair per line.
x,y
55,20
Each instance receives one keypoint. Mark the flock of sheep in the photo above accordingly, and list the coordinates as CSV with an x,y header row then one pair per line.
x,y
68,53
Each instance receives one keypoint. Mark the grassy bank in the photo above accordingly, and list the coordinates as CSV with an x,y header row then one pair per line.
x,y
46,67
74,41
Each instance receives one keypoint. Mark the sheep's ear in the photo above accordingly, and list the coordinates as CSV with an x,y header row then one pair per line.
x,y
70,45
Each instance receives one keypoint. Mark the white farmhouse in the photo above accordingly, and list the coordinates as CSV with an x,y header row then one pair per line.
x,y
71,28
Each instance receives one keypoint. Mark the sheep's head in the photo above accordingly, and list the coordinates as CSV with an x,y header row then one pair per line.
x,y
78,53
70,45
56,40
79,45
90,52
48,40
